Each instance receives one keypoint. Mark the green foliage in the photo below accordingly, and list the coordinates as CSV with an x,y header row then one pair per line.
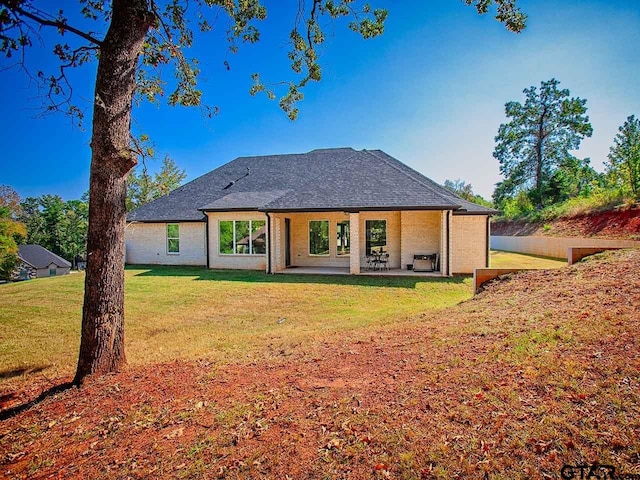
x,y
53,215
73,230
167,43
465,191
534,146
518,206
142,188
599,199
11,231
56,225
8,264
506,12
33,218
623,169
575,177
175,25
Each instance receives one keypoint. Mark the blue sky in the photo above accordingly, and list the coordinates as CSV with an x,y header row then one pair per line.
x,y
430,91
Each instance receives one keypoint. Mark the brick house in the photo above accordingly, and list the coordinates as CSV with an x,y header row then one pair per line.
x,y
330,209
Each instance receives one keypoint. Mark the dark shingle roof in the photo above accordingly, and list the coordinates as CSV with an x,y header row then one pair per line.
x,y
327,179
40,257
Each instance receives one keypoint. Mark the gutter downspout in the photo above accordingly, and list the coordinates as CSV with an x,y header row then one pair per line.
x,y
206,238
488,239
448,244
268,242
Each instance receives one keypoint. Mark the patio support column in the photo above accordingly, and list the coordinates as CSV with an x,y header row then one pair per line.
x,y
276,246
354,242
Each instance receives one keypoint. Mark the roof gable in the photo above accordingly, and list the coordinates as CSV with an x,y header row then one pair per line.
x,y
40,257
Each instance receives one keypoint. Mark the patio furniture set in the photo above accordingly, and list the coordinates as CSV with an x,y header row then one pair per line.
x,y
421,263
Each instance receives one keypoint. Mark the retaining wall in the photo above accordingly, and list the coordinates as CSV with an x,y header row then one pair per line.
x,y
554,246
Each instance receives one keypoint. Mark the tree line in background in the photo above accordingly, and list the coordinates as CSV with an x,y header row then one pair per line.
x,y
542,178
61,226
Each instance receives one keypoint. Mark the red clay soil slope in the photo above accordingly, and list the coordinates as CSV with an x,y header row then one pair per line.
x,y
619,224
539,371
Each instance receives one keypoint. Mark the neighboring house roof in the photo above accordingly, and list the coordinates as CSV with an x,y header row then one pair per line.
x,y
40,257
258,237
321,180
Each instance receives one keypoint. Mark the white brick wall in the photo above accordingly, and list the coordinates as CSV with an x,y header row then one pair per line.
x,y
146,244
469,245
408,233
420,234
239,262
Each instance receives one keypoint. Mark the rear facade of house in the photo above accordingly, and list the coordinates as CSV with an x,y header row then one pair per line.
x,y
332,208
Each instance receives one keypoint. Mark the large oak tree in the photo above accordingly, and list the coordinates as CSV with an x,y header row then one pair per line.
x,y
142,36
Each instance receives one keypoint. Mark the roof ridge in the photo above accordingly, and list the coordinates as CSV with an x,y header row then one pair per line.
x,y
290,191
330,149
417,180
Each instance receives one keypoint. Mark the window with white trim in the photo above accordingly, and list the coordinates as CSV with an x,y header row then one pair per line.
x,y
173,238
242,237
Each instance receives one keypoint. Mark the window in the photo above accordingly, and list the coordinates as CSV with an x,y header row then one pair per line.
x,y
52,272
173,238
243,237
376,236
319,237
343,242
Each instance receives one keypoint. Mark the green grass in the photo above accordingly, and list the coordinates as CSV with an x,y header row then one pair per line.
x,y
500,259
188,313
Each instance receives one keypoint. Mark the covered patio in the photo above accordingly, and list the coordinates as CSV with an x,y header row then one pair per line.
x,y
376,243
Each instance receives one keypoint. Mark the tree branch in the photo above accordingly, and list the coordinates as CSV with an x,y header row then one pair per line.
x,y
51,23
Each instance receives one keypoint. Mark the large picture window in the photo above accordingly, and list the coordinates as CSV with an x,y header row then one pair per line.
x,y
243,237
376,236
319,237
173,238
343,242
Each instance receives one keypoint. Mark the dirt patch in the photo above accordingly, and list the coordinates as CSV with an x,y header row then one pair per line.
x,y
613,224
536,372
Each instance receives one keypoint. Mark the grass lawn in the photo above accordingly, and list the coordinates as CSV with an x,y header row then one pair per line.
x,y
501,259
188,313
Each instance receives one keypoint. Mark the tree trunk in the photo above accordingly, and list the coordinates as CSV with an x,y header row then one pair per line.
x,y
102,341
539,159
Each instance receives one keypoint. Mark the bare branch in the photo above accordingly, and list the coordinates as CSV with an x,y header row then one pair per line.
x,y
50,23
